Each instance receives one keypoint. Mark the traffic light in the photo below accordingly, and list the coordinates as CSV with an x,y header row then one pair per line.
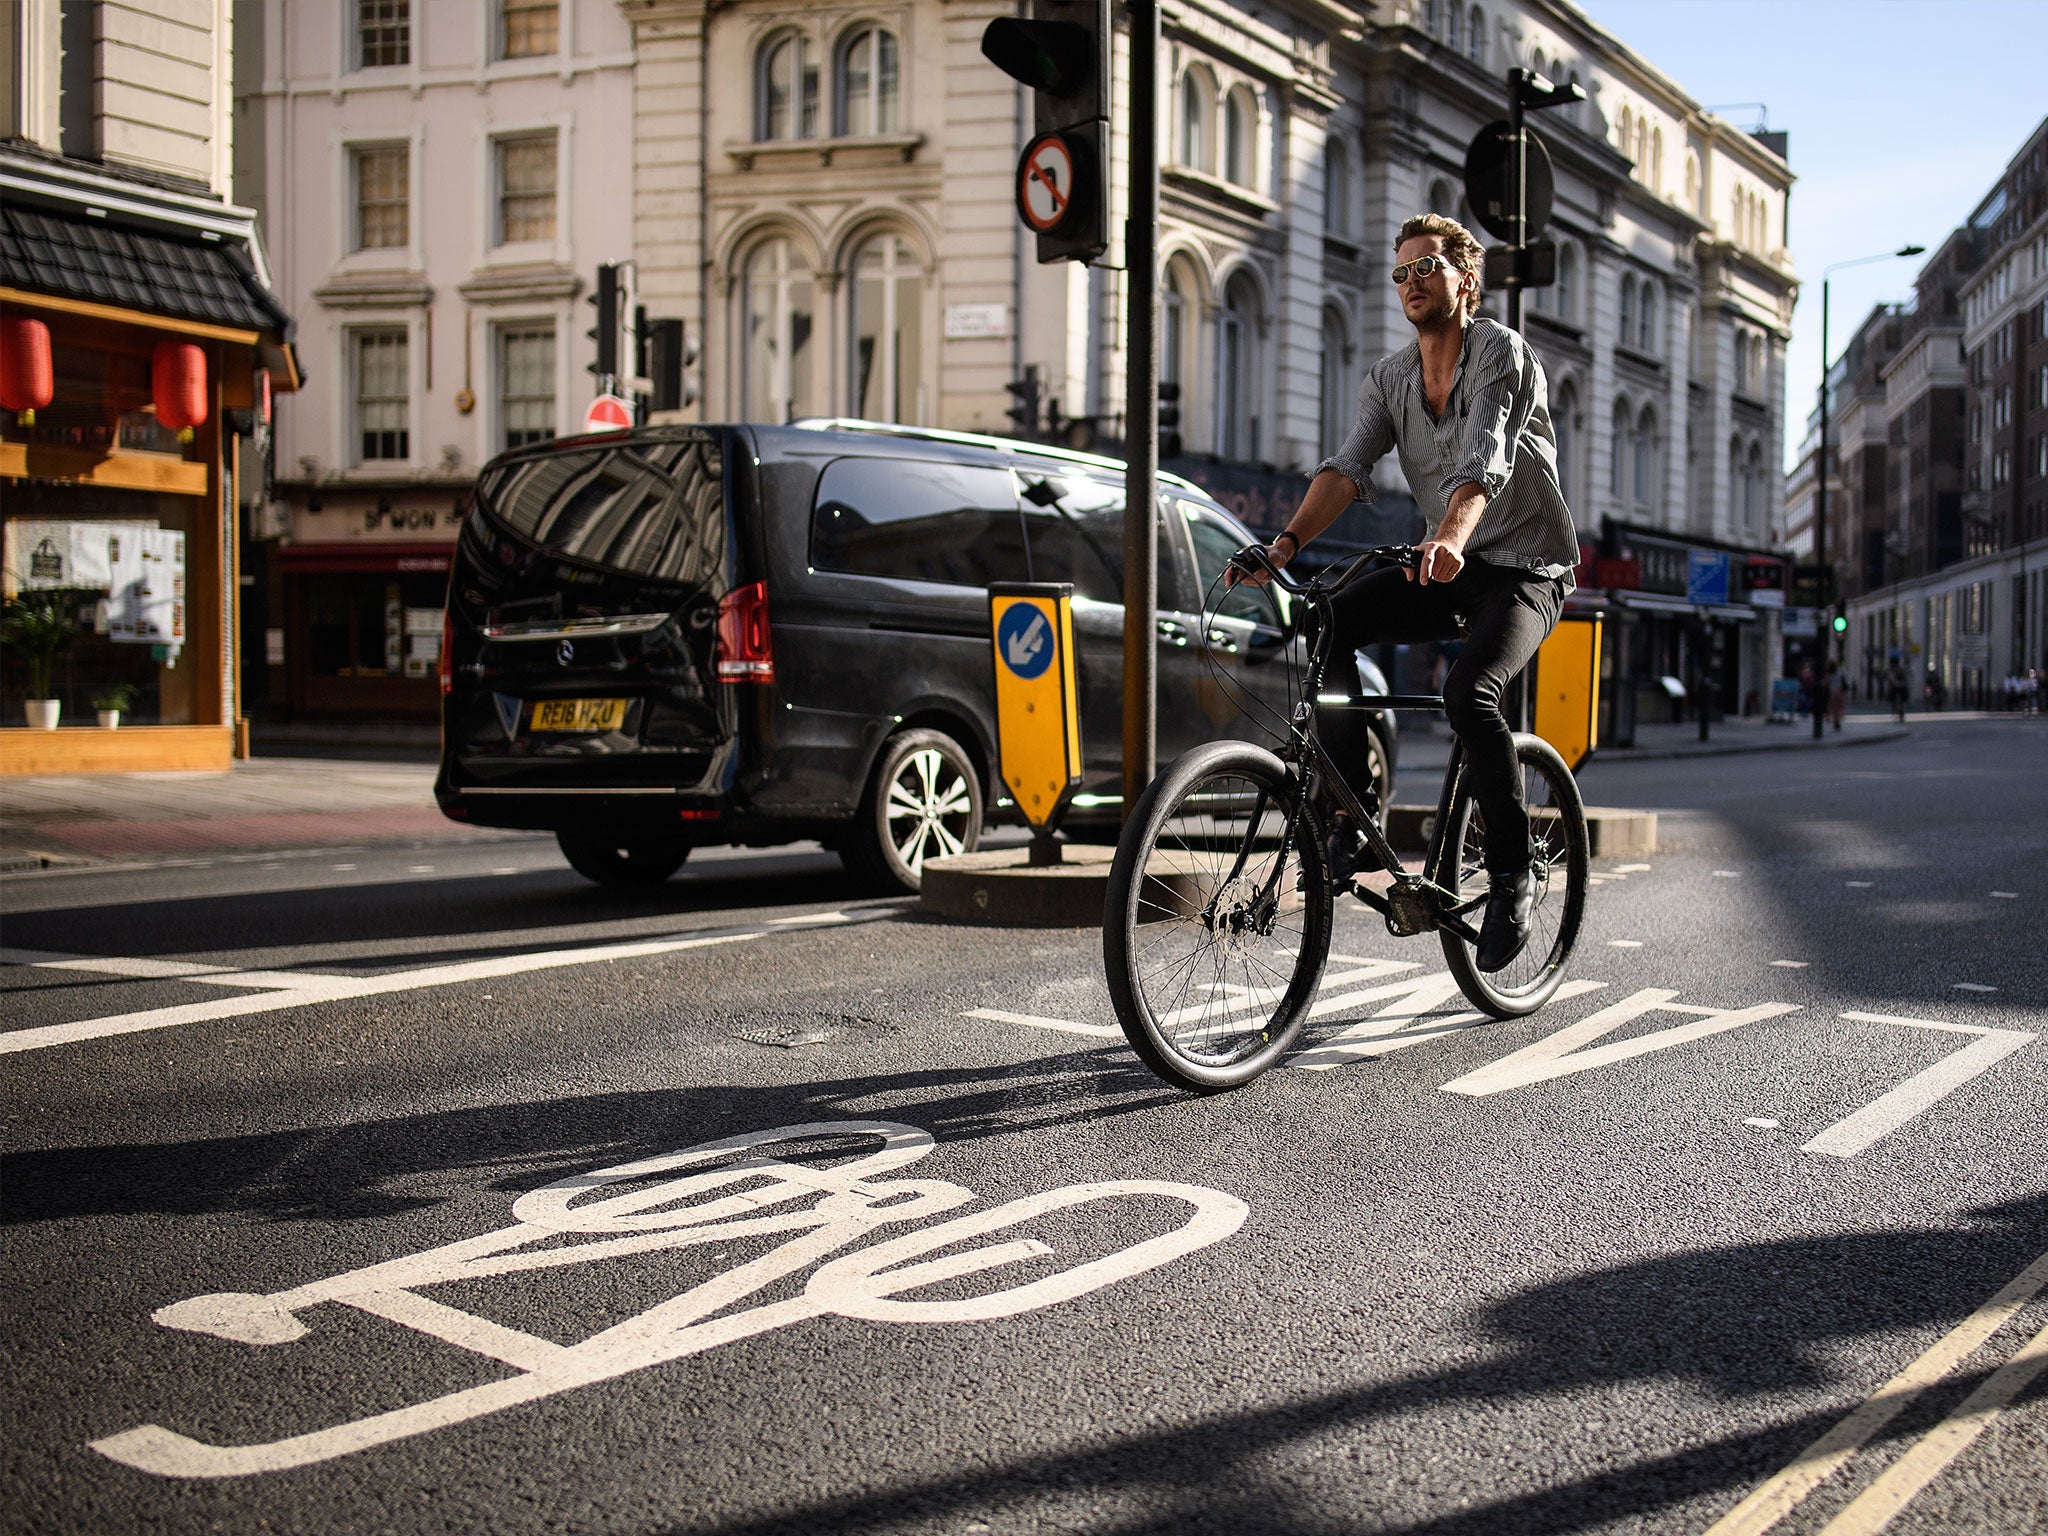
x,y
1169,419
1061,52
1024,414
666,353
1841,624
606,331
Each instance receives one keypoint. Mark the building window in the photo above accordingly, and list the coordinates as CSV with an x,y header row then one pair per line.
x,y
383,187
1617,455
1240,124
383,396
528,29
1475,37
1628,309
1568,283
1646,328
888,333
383,33
1643,455
526,384
1742,382
1335,396
866,89
1176,366
1692,181
1450,15
776,312
787,90
1564,430
1336,188
1196,95
526,188
1442,200
1237,327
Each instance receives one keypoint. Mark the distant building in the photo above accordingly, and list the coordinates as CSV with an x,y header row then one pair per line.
x,y
1947,576
439,183
140,293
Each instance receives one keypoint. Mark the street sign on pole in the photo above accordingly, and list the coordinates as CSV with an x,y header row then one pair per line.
x,y
1490,181
608,413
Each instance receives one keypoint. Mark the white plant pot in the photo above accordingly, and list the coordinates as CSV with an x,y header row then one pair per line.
x,y
42,713
109,718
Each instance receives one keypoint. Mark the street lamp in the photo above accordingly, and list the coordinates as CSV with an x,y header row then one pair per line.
x,y
1820,503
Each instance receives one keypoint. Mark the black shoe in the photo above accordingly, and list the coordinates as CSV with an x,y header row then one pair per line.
x,y
1342,852
1510,902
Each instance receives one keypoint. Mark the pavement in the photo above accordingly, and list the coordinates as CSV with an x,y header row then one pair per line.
x,y
366,791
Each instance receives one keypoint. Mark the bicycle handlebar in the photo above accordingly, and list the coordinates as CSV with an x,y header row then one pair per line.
x,y
1251,560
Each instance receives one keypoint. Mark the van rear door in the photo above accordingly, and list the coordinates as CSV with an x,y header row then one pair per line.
x,y
584,612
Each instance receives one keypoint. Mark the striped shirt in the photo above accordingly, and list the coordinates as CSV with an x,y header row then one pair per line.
x,y
1494,433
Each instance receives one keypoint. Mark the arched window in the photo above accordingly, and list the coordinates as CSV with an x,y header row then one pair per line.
x,y
1657,161
1197,106
1432,15
1646,325
1475,37
1240,129
786,89
1564,427
1753,509
886,350
1626,134
775,314
1536,64
1336,187
1237,340
1176,339
1567,282
1441,198
1692,182
1628,309
1617,456
1642,148
866,88
1451,9
1336,395
1643,457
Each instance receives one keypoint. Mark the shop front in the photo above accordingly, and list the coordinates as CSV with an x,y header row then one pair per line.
x,y
121,403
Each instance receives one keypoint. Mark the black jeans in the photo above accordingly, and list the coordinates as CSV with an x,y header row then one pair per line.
x,y
1506,614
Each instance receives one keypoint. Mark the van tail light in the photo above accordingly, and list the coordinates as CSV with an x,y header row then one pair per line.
x,y
445,667
745,652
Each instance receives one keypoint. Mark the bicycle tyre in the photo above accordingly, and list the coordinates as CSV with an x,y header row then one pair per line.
x,y
1557,828
1207,1005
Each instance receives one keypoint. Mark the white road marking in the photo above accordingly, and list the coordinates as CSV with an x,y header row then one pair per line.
x,y
717,1192
1920,1092
1727,874
1624,943
1791,965
1774,1499
1631,869
1408,1021
1039,1021
2007,895
296,989
1566,1053
341,866
421,869
1857,885
1761,1123
505,869
1972,986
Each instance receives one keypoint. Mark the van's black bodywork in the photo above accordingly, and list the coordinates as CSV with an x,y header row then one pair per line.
x,y
595,569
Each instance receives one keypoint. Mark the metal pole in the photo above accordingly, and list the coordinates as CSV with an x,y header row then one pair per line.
x,y
1141,411
1822,618
1518,216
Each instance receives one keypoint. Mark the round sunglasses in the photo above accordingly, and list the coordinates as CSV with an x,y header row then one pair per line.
x,y
1422,266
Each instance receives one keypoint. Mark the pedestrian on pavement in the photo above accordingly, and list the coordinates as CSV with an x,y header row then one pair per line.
x,y
1838,695
1895,689
1809,689
1467,408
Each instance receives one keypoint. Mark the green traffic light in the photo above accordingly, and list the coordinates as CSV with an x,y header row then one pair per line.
x,y
1841,625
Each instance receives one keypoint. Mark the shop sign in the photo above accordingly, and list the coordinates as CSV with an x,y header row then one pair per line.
x,y
1801,623
1664,567
1766,578
379,522
1706,576
65,556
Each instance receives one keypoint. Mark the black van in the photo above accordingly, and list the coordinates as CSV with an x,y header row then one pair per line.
x,y
693,635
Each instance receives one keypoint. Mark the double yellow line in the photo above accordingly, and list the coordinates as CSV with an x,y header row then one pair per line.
x,y
1873,1509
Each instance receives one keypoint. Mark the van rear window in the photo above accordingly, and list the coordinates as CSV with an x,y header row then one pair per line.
x,y
653,509
916,520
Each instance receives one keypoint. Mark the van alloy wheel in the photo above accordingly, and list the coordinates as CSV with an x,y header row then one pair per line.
x,y
923,803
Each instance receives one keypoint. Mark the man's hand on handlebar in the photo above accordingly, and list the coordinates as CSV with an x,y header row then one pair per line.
x,y
1255,564
1436,561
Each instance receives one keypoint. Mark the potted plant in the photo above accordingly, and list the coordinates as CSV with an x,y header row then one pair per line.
x,y
35,627
111,700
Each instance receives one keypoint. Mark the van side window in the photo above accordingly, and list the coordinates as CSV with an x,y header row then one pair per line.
x,y
1214,545
915,520
1080,538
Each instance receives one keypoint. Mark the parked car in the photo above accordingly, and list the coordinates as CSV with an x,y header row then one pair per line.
x,y
689,635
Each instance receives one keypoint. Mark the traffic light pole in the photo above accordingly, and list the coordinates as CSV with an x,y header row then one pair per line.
x,y
1141,411
1823,620
1518,216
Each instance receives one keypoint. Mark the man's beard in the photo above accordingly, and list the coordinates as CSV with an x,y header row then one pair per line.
x,y
1437,316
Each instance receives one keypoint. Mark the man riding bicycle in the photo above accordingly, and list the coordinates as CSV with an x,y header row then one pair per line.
x,y
1467,409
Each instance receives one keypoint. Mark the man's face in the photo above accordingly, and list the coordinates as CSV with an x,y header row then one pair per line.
x,y
1437,299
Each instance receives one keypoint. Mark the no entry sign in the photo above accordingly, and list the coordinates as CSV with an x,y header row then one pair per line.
x,y
1045,183
608,413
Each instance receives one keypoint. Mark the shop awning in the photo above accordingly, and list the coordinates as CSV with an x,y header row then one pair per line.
x,y
1659,602
48,250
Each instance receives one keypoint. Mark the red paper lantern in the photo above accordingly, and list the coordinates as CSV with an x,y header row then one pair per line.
x,y
177,379
26,381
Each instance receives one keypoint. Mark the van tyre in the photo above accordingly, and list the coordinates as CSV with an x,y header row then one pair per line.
x,y
923,801
633,864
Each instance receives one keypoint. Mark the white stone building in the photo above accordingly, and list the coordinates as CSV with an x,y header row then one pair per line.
x,y
438,184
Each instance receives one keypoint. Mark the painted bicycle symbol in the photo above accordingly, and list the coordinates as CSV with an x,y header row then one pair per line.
x,y
709,1194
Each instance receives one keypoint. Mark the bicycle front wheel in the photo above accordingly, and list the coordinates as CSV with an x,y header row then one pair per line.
x,y
1557,833
1217,922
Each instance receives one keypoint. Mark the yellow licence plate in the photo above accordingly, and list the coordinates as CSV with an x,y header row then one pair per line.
x,y
577,715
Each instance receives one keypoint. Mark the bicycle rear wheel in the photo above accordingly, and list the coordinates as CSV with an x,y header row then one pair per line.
x,y
1213,946
1557,833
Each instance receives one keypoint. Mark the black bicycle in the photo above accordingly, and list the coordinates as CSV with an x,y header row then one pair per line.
x,y
1217,922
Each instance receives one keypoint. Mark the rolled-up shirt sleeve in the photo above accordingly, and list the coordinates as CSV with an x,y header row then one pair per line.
x,y
1498,399
1372,435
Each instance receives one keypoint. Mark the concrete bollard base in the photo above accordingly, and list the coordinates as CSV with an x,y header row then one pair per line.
x,y
1613,834
1001,887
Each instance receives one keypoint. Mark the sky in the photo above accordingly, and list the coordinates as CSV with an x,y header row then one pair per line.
x,y
1902,114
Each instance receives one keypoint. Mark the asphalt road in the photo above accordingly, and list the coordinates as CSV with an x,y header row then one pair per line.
x,y
393,1146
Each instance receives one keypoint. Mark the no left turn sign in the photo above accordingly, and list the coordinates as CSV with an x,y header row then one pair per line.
x,y
1045,183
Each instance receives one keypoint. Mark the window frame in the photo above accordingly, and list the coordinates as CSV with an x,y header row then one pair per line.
x,y
842,90
502,12
357,153
396,16
502,335
501,145
359,338
805,87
